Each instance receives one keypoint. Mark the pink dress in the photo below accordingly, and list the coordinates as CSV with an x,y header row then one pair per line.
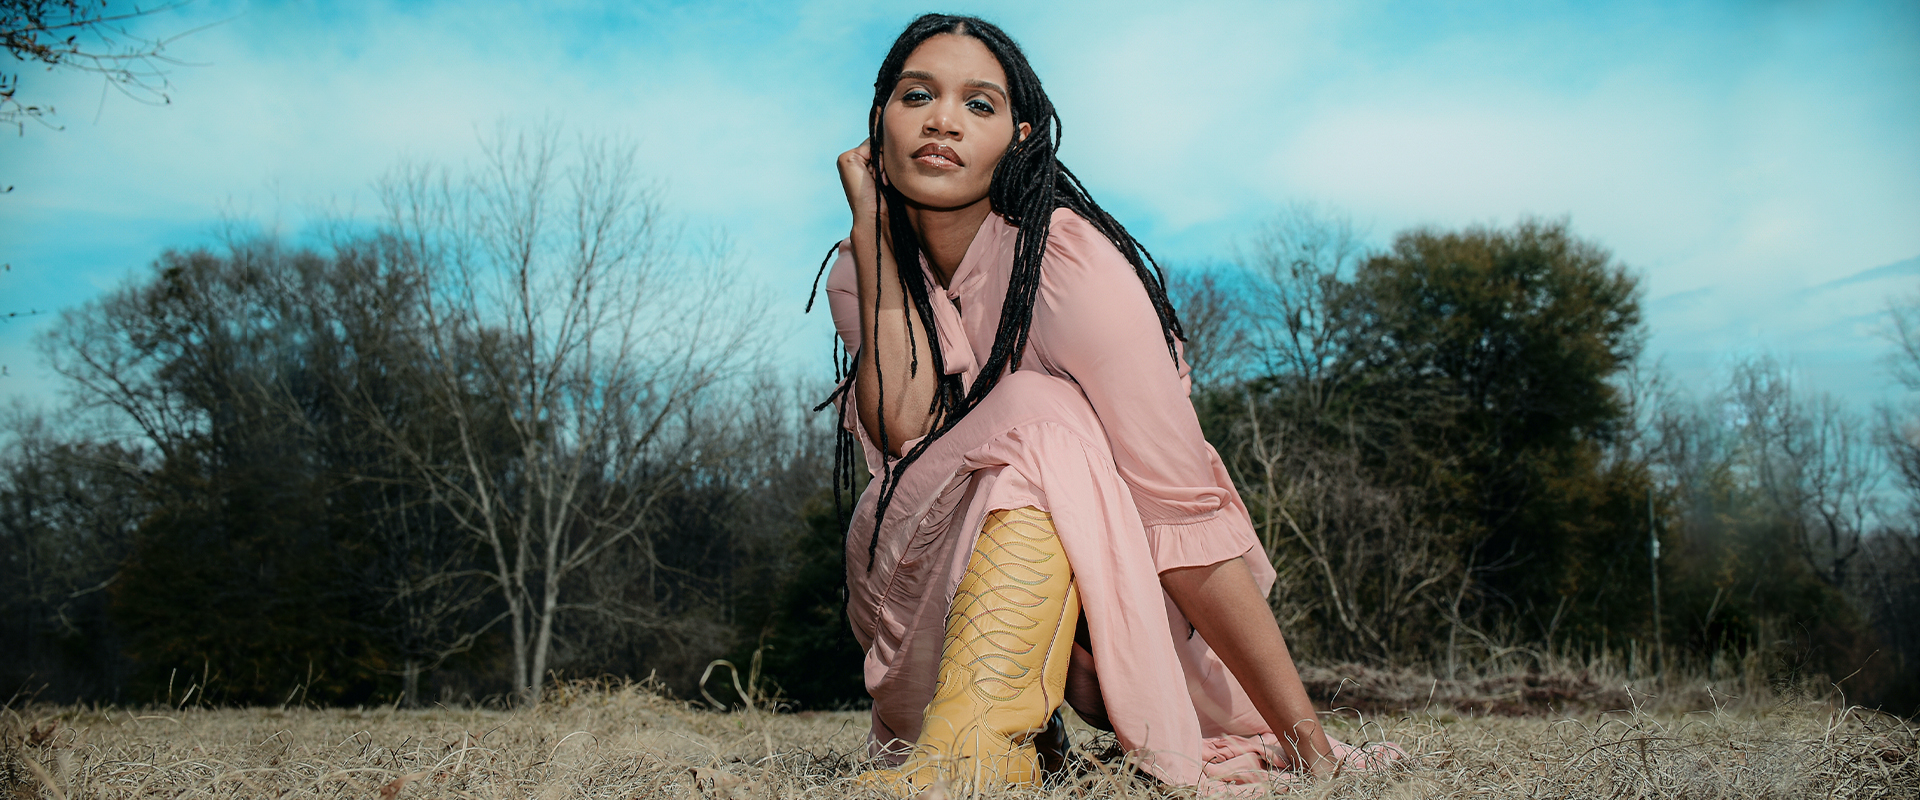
x,y
1096,428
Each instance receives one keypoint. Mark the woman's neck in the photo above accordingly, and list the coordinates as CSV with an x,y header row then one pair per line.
x,y
946,233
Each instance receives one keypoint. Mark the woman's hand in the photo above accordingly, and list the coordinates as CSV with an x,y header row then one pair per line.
x,y
856,177
885,319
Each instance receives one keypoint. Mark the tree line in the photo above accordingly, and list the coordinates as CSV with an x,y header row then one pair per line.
x,y
522,427
519,428
1458,455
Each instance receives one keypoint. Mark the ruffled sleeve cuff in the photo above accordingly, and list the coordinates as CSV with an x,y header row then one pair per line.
x,y
1199,541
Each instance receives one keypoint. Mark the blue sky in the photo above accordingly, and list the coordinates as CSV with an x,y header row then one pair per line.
x,y
1758,164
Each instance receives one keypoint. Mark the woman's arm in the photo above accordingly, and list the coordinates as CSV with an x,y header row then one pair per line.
x,y
1094,322
1098,326
887,350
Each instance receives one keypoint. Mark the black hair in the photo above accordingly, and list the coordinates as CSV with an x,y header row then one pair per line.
x,y
1028,185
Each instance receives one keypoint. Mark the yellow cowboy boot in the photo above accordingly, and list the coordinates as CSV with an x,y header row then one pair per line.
x,y
1003,666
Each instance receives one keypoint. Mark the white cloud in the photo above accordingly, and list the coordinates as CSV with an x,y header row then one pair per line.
x,y
1751,152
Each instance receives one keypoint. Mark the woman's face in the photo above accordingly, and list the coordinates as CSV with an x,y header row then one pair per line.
x,y
947,123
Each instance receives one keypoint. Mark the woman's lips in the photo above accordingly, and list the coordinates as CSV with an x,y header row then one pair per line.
x,y
939,156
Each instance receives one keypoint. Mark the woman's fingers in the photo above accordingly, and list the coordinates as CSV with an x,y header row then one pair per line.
x,y
856,161
856,177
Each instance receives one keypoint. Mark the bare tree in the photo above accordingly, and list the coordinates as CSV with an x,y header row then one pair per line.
x,y
1899,428
1363,573
1890,582
1294,271
1214,316
1813,462
574,340
1356,556
86,36
429,582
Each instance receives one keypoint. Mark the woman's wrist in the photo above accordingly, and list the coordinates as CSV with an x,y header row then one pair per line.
x,y
868,244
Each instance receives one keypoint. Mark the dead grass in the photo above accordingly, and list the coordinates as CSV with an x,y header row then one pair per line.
x,y
596,741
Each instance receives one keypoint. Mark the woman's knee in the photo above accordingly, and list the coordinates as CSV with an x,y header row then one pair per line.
x,y
1031,392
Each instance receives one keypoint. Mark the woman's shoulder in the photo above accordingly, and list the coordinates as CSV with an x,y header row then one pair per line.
x,y
840,276
1085,276
1077,250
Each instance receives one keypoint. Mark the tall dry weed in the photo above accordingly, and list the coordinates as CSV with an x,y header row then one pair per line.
x,y
631,741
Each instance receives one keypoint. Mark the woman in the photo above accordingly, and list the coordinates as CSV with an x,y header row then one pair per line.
x,y
1045,517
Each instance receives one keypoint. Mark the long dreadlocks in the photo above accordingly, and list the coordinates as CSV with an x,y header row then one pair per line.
x,y
1028,185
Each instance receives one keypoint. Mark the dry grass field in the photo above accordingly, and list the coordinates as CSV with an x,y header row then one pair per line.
x,y
626,741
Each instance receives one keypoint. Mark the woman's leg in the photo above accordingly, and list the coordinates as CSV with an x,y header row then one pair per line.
x,y
1003,665
1222,602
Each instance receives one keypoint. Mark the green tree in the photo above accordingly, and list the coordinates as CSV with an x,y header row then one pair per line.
x,y
1432,444
68,511
1524,330
806,643
242,571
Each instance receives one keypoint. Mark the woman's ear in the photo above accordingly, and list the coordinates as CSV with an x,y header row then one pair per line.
x,y
1025,129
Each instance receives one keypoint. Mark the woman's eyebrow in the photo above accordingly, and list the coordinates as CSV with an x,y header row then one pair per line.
x,y
914,74
980,84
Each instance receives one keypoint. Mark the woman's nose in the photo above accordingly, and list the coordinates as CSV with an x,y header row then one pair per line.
x,y
940,124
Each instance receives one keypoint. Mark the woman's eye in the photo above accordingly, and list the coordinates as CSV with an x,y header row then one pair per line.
x,y
915,96
981,106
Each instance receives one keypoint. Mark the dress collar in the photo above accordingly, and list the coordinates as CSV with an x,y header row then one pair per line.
x,y
981,253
